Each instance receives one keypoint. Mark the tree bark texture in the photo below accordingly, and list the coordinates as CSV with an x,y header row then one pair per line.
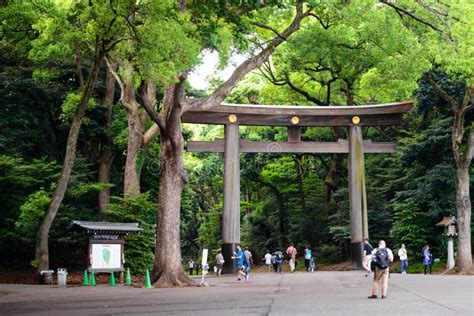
x,y
41,249
464,210
131,183
107,154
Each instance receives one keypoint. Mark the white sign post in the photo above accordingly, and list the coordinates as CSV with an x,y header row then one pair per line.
x,y
203,266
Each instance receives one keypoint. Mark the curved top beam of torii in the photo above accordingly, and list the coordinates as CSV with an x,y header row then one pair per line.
x,y
280,115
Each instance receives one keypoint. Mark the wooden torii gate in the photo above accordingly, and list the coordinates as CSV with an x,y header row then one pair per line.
x,y
295,117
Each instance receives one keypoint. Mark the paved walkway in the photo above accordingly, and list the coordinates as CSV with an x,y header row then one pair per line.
x,y
319,293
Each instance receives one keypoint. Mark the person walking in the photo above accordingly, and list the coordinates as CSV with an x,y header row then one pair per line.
x,y
312,264
382,257
402,254
279,260
268,260
291,252
427,259
197,267
239,261
307,258
248,261
219,263
366,261
191,266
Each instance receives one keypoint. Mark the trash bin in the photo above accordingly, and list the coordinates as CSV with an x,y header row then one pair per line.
x,y
62,276
47,277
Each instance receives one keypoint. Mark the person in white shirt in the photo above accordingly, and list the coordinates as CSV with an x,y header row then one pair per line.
x,y
402,253
382,257
268,260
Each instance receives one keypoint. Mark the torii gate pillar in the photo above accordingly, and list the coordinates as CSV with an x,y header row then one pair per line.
x,y
231,214
357,196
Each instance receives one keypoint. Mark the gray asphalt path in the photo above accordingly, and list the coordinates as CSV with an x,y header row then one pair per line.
x,y
318,293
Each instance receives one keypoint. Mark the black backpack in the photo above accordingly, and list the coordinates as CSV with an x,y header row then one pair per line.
x,y
380,258
279,256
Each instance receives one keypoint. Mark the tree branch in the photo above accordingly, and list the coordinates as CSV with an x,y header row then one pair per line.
x,y
401,11
267,27
150,134
325,26
302,92
120,83
221,93
77,52
148,95
441,93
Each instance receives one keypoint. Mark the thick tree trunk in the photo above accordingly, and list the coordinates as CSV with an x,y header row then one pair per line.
x,y
168,269
41,249
107,154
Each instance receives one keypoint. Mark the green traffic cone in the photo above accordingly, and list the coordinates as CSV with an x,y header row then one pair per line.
x,y
128,280
112,278
93,279
147,281
86,279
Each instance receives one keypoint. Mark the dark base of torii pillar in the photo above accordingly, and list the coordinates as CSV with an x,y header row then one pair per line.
x,y
227,252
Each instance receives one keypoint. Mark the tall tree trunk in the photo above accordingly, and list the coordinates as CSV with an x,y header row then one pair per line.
x,y
41,249
107,155
168,269
463,154
463,157
131,183
135,140
463,206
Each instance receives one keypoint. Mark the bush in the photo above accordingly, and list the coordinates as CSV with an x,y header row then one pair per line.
x,y
139,249
328,254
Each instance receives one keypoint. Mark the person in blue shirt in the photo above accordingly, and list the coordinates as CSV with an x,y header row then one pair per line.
x,y
239,260
307,258
427,259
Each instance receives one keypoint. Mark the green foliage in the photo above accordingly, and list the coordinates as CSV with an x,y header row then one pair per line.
x,y
328,254
409,226
139,248
70,105
31,215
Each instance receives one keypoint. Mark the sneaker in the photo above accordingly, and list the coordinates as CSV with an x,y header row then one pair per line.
x,y
238,280
373,296
246,277
383,296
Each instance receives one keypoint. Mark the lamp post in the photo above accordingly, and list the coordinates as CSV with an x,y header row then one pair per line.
x,y
450,231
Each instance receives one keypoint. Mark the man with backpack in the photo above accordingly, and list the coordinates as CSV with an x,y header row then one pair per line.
x,y
278,260
382,257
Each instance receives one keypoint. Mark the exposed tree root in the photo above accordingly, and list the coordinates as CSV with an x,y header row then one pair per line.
x,y
172,280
